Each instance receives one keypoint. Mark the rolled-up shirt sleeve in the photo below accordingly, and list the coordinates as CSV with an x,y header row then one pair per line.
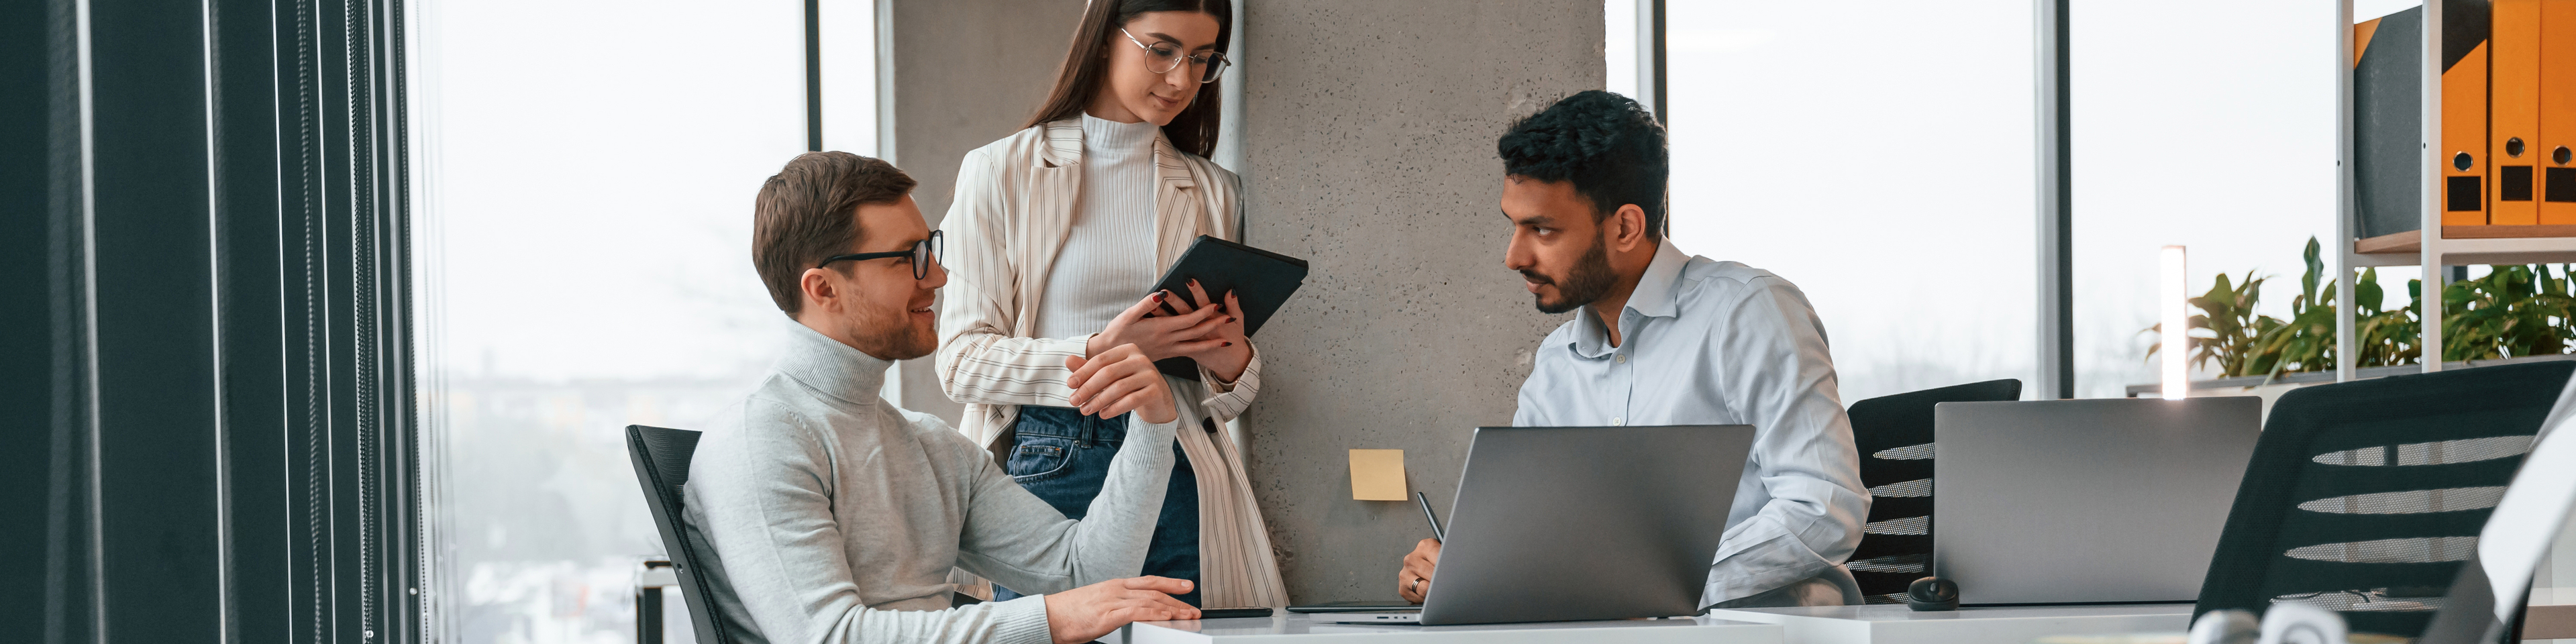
x,y
1773,366
1227,400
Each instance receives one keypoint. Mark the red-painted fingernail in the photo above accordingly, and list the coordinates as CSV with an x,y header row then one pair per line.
x,y
1228,344
1229,319
1158,297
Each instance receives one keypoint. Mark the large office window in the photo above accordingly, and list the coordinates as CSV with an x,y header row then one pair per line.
x,y
2208,124
1882,165
589,168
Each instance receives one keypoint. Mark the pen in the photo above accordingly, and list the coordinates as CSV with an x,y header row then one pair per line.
x,y
1428,516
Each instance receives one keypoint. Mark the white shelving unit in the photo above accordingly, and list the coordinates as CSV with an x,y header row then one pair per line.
x,y
2433,248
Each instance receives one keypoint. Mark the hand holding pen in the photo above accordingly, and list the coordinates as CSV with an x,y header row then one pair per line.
x,y
1415,581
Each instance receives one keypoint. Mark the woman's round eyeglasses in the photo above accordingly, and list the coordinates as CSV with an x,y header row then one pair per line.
x,y
1162,57
924,253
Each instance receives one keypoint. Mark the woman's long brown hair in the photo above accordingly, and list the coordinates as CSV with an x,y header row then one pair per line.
x,y
1194,130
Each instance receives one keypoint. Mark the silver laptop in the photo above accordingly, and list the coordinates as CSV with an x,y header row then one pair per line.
x,y
1582,523
2085,501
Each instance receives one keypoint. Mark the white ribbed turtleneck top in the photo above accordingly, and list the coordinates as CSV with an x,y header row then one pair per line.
x,y
1108,258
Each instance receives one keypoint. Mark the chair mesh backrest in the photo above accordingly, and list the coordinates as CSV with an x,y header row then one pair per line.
x,y
661,458
2364,497
1894,434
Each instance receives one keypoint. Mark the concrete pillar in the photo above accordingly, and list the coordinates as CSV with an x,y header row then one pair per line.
x,y
962,73
1369,143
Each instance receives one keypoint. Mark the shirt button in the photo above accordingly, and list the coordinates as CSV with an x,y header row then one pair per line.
x,y
1623,358
1616,421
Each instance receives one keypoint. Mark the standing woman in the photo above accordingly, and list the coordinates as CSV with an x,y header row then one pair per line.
x,y
1060,230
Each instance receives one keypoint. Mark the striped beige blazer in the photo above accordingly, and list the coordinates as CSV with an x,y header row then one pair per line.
x,y
1010,216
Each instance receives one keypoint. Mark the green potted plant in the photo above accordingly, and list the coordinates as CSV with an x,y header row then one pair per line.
x,y
2512,311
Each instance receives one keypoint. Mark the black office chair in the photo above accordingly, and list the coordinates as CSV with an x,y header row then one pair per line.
x,y
1894,434
2364,497
662,465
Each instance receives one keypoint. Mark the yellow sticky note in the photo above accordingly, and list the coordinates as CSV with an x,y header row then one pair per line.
x,y
1377,475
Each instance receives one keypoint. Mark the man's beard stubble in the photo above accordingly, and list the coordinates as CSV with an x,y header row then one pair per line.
x,y
1588,280
892,335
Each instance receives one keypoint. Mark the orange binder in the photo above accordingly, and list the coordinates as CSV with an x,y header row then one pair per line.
x,y
2557,113
2464,140
2513,125
2361,33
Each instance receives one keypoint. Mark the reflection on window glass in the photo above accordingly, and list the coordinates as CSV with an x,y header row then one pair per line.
x,y
1883,165
2229,151
587,176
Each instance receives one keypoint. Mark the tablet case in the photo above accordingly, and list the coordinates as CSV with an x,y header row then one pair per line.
x,y
1262,281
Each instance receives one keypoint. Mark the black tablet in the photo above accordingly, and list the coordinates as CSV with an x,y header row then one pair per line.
x,y
1261,281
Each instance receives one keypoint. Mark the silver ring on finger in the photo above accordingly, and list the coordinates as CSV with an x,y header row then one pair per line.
x,y
1415,587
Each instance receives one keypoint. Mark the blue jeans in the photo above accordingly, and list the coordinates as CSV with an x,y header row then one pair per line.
x,y
1063,457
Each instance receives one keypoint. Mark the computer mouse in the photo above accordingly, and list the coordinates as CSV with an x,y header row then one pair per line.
x,y
2297,623
2225,626
1931,594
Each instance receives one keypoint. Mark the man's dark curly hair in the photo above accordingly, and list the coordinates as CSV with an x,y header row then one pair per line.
x,y
1605,143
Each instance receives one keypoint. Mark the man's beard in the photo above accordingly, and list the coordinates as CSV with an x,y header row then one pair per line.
x,y
1586,282
893,336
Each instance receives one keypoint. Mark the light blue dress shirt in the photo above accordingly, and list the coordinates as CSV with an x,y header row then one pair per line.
x,y
1720,343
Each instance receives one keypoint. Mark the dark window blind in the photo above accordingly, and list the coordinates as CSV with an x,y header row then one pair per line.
x,y
207,338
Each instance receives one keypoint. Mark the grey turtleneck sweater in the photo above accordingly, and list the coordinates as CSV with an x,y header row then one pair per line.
x,y
835,516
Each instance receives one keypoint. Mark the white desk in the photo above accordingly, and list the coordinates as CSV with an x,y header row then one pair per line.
x,y
1896,624
1295,627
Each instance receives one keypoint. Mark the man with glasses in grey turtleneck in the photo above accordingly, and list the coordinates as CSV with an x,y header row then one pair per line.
x,y
835,516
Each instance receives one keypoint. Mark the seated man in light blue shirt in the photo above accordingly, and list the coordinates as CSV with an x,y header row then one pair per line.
x,y
1661,337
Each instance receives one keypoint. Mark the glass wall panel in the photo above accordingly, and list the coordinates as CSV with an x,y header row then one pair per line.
x,y
849,50
1619,45
588,169
2208,124
1882,164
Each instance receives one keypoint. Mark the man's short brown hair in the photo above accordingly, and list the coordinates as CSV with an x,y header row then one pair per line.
x,y
809,211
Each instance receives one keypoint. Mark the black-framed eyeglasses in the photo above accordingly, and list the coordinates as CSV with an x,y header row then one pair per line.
x,y
1161,58
924,253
